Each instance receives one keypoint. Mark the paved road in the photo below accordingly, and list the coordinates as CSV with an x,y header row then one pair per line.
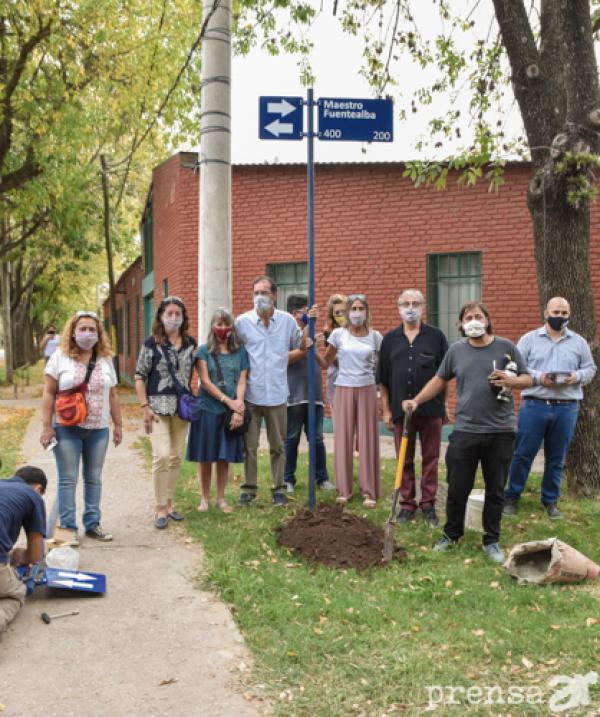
x,y
153,624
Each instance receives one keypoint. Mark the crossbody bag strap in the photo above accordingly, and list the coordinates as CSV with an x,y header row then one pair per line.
x,y
90,367
220,377
178,387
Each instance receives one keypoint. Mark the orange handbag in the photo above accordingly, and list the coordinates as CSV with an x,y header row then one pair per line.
x,y
70,405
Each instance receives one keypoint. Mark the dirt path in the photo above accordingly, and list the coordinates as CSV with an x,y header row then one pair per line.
x,y
154,624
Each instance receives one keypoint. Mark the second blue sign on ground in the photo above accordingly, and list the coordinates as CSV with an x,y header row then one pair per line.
x,y
355,120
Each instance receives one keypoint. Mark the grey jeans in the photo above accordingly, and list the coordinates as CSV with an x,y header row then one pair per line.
x,y
12,595
276,421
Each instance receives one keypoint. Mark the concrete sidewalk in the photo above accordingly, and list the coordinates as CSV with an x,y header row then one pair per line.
x,y
154,623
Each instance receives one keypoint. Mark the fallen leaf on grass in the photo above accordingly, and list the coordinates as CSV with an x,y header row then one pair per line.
x,y
448,584
479,632
291,653
317,630
495,585
555,627
468,561
248,696
170,681
591,621
527,663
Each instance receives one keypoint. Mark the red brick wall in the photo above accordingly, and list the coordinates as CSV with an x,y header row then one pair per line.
x,y
373,231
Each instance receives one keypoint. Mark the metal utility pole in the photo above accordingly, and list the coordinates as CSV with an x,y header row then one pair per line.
x,y
214,252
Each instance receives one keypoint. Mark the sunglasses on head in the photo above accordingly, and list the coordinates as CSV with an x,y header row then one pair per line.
x,y
171,300
354,297
91,314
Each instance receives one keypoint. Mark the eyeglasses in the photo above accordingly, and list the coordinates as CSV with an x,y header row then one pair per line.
x,y
91,314
354,297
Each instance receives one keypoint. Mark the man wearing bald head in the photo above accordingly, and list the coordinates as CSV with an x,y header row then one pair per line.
x,y
560,363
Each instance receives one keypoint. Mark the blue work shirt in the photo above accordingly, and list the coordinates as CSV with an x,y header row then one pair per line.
x,y
544,355
232,365
268,348
20,507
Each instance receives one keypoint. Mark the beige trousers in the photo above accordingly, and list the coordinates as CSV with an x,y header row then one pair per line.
x,y
168,443
12,595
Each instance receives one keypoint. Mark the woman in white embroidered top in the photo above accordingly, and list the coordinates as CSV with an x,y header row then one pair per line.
x,y
356,345
84,348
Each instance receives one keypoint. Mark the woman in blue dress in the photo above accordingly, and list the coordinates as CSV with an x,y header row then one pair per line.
x,y
208,441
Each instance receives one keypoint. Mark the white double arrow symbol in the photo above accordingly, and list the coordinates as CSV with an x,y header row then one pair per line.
x,y
75,580
282,108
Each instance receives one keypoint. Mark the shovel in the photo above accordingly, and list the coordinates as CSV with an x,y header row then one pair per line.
x,y
388,541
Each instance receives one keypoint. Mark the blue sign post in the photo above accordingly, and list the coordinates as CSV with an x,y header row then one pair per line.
x,y
340,120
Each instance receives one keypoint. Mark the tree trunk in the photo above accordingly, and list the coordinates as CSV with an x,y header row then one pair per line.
x,y
109,257
562,237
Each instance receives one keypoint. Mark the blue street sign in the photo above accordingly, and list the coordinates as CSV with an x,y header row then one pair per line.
x,y
355,120
280,118
74,580
62,579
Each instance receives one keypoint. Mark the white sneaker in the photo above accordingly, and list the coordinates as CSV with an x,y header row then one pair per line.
x,y
326,485
289,487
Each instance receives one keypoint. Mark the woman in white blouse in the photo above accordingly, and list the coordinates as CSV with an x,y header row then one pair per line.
x,y
84,345
356,345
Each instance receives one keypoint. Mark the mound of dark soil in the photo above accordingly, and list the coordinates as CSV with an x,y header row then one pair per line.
x,y
333,537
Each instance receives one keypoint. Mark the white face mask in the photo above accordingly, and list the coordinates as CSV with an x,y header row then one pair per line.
x,y
262,304
86,339
357,318
411,314
474,329
171,324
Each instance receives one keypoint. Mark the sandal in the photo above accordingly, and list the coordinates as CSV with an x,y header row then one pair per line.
x,y
368,502
342,500
203,507
160,522
224,506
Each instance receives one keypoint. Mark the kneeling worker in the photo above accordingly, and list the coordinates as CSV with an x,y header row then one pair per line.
x,y
21,506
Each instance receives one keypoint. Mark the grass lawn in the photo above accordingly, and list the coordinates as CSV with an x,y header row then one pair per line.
x,y
13,424
28,380
331,642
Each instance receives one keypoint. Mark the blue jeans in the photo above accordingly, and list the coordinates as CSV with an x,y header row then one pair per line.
x,y
554,425
89,446
297,418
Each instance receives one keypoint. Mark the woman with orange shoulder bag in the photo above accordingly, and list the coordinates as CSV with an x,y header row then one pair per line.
x,y
79,396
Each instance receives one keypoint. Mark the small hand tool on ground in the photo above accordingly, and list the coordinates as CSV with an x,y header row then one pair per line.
x,y
48,618
388,541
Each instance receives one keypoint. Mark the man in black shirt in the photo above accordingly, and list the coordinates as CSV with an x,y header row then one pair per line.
x,y
410,356
21,506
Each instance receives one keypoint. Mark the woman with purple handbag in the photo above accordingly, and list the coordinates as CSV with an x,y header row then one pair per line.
x,y
162,382
222,364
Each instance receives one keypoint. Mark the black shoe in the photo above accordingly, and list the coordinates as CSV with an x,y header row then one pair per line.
x,y
246,498
280,499
430,517
553,512
98,534
510,506
405,516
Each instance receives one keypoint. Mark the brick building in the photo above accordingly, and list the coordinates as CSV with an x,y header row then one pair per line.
x,y
376,233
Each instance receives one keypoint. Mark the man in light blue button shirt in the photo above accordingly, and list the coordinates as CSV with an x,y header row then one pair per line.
x,y
268,335
560,363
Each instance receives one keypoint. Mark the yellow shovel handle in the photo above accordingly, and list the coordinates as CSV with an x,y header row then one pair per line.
x,y
402,455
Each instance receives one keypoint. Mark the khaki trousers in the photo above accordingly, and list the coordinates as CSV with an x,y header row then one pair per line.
x,y
12,595
168,443
276,421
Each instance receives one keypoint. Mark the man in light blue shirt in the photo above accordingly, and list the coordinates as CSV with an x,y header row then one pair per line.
x,y
560,363
268,335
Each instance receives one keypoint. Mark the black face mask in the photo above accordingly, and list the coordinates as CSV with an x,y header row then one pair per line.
x,y
557,322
